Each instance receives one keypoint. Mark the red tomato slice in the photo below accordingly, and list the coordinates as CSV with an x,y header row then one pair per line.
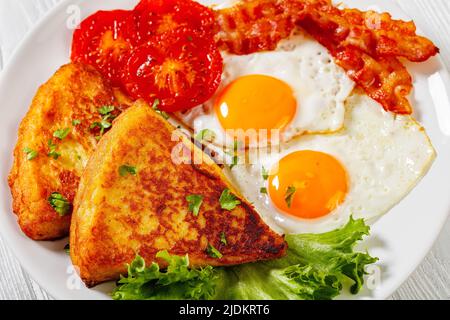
x,y
156,17
104,40
182,70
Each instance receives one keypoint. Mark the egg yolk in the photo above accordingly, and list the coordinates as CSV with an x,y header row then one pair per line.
x,y
256,102
308,184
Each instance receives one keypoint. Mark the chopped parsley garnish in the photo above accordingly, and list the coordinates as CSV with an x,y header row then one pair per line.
x,y
61,133
106,110
195,201
67,248
234,162
265,173
206,135
158,111
228,201
105,123
213,252
223,238
31,154
126,169
52,150
289,195
263,190
60,204
235,159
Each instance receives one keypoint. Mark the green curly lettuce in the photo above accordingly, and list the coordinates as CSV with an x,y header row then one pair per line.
x,y
315,268
177,282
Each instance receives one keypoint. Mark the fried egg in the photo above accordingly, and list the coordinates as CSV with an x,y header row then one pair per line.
x,y
315,183
292,90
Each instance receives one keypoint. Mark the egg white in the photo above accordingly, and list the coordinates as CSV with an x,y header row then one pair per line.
x,y
385,155
319,85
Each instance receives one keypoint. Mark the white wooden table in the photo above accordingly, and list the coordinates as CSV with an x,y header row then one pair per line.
x,y
430,281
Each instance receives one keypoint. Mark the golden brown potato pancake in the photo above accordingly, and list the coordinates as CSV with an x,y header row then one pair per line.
x,y
120,213
68,101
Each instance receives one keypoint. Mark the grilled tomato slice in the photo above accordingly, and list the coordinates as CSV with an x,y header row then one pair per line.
x,y
180,69
156,17
104,40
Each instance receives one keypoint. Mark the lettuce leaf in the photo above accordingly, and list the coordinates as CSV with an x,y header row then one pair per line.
x,y
315,268
177,282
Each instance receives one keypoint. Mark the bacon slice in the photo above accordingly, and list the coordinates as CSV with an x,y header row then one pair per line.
x,y
383,78
365,44
382,36
256,25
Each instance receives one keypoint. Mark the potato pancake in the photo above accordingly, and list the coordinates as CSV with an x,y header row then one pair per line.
x,y
56,138
136,197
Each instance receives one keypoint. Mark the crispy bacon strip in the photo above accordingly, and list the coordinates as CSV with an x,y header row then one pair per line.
x,y
384,78
366,44
380,35
256,25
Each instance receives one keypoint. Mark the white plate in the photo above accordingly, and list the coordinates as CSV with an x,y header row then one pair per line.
x,y
401,239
